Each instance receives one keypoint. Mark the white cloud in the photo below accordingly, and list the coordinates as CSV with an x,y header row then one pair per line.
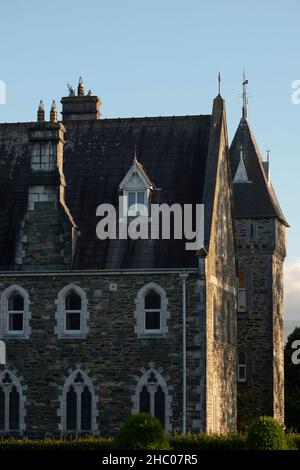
x,y
292,289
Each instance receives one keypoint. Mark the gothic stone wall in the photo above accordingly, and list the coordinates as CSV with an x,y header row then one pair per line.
x,y
112,354
221,317
260,329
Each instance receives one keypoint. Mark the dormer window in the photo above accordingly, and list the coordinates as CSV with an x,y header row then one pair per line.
x,y
137,203
136,187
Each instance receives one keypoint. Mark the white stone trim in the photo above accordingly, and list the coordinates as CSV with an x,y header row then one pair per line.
x,y
61,412
18,381
60,313
4,332
139,313
166,387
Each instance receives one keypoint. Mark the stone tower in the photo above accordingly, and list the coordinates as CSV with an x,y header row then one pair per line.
x,y
261,249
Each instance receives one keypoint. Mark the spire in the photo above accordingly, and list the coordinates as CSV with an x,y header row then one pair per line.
x,y
219,84
80,89
241,172
135,155
41,112
245,95
53,112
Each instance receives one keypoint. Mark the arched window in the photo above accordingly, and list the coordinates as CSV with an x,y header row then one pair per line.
x,y
15,312
242,292
152,397
78,404
11,404
71,314
151,311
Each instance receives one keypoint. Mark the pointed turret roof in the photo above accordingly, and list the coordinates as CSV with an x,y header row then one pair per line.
x,y
257,199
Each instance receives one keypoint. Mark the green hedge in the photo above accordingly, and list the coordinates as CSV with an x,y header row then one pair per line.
x,y
178,443
199,442
91,443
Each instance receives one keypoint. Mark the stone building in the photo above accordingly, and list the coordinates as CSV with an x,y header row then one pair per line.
x,y
98,329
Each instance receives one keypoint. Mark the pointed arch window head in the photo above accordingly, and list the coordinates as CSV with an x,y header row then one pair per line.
x,y
152,396
78,404
151,311
14,312
12,409
71,314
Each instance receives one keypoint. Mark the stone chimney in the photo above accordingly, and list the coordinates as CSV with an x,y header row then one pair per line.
x,y
41,112
47,235
80,107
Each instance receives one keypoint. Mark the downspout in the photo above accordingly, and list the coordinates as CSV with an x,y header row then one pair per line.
x,y
183,276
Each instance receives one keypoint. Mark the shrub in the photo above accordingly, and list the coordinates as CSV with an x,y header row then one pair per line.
x,y
201,441
141,431
266,434
89,443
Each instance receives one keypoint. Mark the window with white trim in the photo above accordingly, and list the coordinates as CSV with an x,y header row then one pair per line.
x,y
11,404
14,312
43,156
71,314
151,312
78,404
242,291
242,367
152,396
136,203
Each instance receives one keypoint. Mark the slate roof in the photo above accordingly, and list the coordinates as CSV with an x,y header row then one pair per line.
x,y
256,199
97,155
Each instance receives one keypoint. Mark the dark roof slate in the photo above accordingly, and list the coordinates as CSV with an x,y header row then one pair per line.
x,y
256,199
97,156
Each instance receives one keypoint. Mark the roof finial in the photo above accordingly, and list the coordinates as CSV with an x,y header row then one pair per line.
x,y
219,83
269,165
53,112
41,112
80,88
135,155
245,95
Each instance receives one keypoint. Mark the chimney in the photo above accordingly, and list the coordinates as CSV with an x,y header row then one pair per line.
x,y
41,112
80,107
53,112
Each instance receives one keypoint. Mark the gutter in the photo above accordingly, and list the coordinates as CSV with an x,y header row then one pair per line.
x,y
183,276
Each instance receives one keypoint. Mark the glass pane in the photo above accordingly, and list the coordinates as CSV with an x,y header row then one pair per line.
x,y
242,279
73,301
86,410
152,300
159,406
131,200
144,400
242,358
15,302
71,409
242,300
16,322
152,321
73,321
2,410
14,410
242,373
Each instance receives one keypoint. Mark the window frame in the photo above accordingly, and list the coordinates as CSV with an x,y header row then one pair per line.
x,y
68,311
5,313
242,290
242,366
134,212
15,312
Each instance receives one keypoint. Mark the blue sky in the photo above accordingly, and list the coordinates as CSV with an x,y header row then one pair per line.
x,y
161,57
